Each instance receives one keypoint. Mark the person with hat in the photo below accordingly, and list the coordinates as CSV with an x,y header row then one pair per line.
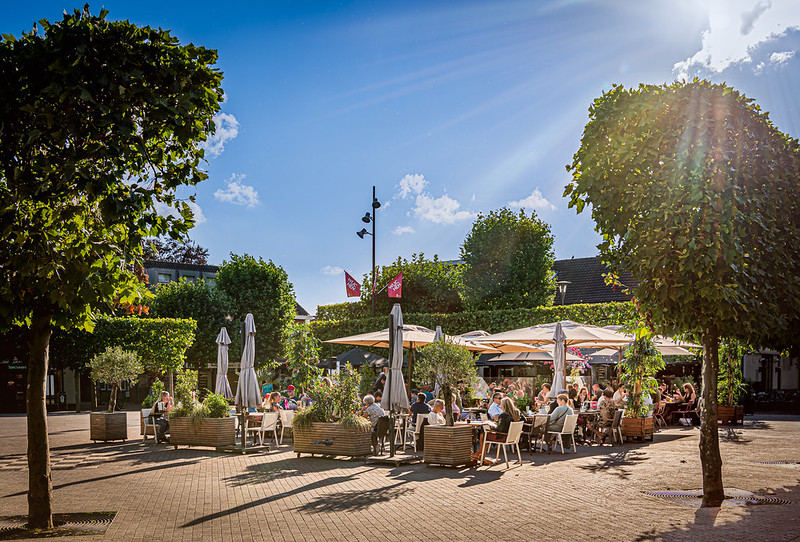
x,y
290,401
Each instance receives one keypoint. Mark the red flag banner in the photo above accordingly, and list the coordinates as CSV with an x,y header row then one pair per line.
x,y
396,286
352,285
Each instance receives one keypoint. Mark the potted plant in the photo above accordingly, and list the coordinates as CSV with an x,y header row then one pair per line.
x,y
113,366
637,370
446,364
730,383
193,423
331,425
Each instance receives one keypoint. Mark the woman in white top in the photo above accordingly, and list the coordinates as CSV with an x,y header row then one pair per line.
x,y
436,417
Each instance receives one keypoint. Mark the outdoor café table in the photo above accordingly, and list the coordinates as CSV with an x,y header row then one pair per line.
x,y
670,407
474,412
477,424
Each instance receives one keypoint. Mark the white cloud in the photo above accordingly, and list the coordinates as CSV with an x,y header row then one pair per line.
x,y
736,28
165,210
535,201
400,230
780,58
411,185
332,270
227,129
237,192
443,210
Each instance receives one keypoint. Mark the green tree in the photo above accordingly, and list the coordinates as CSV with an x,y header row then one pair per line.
x,y
694,191
429,286
197,300
101,122
508,262
175,250
263,289
115,366
446,364
302,356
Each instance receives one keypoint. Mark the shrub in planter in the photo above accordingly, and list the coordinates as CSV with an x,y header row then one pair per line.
x,y
113,366
331,425
730,383
202,424
637,370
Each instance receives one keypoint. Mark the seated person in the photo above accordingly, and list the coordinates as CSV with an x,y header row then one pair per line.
x,y
163,406
428,395
607,410
620,396
554,404
289,402
378,395
543,398
597,392
604,397
419,407
559,415
689,395
372,411
583,396
573,398
510,413
436,415
495,409
272,402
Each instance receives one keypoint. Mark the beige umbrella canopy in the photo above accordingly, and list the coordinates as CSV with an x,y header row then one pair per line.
x,y
413,337
504,347
666,345
585,335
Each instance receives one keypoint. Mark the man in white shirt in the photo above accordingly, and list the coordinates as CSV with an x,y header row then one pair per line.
x,y
620,395
435,417
494,408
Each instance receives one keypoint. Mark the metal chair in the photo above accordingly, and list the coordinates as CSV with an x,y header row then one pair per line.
x,y
414,431
538,431
269,424
149,421
616,426
512,439
287,421
381,431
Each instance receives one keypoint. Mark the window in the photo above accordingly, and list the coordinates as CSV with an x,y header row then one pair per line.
x,y
164,277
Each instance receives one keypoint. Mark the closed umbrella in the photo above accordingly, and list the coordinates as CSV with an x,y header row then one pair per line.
x,y
248,394
559,360
223,387
396,398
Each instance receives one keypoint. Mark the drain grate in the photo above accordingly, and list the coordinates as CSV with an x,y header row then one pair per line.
x,y
77,524
779,462
733,497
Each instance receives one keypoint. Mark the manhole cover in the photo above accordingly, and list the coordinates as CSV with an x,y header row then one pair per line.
x,y
779,462
77,524
733,497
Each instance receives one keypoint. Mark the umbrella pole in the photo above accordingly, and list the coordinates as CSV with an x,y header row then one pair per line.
x,y
389,382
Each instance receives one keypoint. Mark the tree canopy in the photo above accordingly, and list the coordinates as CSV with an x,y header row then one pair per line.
x,y
101,122
429,286
694,192
508,261
175,251
263,289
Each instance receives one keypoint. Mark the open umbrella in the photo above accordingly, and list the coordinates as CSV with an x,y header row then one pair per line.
x,y
585,335
248,394
223,387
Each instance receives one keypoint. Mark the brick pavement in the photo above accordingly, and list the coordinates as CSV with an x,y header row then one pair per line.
x,y
198,494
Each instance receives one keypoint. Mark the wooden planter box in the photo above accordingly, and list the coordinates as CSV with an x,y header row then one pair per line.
x,y
108,426
214,432
451,446
332,439
730,415
637,428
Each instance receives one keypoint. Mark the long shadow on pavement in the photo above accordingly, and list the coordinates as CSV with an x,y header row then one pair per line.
x,y
357,499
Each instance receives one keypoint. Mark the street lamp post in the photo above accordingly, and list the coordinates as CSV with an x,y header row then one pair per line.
x,y
367,218
562,289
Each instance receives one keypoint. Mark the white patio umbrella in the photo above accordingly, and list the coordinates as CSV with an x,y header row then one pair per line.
x,y
396,397
559,360
223,387
248,394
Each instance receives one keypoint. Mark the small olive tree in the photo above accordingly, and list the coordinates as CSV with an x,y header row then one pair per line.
x,y
114,366
446,364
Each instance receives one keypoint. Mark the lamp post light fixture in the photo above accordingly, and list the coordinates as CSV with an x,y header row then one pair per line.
x,y
367,218
562,289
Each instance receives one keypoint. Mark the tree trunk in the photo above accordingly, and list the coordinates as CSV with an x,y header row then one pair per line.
x,y
40,483
447,395
93,389
710,459
77,390
112,402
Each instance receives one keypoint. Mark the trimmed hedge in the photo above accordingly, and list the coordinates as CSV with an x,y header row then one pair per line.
x,y
601,314
343,311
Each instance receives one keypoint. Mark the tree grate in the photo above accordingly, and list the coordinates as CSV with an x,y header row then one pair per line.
x,y
779,462
733,497
76,524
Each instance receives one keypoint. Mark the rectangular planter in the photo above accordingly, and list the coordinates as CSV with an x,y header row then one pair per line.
x,y
730,415
332,439
637,428
214,432
108,426
451,446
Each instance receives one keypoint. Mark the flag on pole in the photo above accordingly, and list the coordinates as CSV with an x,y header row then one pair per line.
x,y
396,286
352,285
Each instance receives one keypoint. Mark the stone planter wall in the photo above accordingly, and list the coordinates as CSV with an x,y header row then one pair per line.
x,y
637,428
214,432
332,439
450,446
108,426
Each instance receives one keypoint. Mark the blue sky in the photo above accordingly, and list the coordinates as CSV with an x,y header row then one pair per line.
x,y
450,108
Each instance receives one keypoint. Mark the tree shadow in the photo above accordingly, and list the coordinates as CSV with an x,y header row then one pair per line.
x,y
731,436
756,424
778,518
616,463
354,500
470,476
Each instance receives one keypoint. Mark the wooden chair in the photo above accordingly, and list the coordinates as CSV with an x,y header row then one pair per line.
x,y
269,424
287,421
616,426
538,431
658,415
414,431
512,439
569,429
689,410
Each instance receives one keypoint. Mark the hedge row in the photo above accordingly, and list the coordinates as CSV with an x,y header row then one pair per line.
x,y
343,311
601,314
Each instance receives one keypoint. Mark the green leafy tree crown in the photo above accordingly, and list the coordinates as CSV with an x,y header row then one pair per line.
x,y
508,261
445,364
302,356
115,366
